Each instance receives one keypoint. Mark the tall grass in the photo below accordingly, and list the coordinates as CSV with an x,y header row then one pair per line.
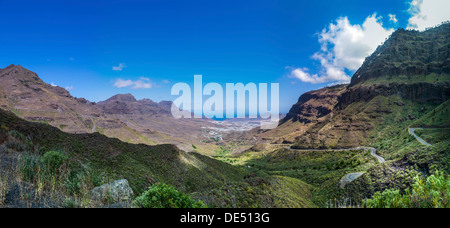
x,y
57,176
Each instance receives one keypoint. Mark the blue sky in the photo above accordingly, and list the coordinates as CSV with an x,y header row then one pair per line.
x,y
76,44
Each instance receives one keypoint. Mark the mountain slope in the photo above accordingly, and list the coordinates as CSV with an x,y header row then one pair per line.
x,y
404,84
144,165
402,80
24,93
121,116
409,56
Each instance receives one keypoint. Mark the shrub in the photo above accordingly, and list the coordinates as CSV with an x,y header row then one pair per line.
x,y
434,193
166,196
53,160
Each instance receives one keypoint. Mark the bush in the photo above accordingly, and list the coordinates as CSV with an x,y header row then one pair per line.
x,y
53,160
166,196
434,193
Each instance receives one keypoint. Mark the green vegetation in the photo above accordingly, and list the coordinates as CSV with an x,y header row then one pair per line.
x,y
74,164
431,78
165,196
434,135
321,169
53,160
55,171
432,193
260,192
385,98
438,117
84,161
224,154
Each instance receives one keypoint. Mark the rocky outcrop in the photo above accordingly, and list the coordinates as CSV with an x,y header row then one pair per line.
x,y
117,191
409,53
127,104
315,104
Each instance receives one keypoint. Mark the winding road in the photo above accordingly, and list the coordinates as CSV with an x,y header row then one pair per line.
x,y
374,153
412,130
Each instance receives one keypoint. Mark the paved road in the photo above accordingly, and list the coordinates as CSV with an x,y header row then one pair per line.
x,y
412,130
374,153
352,176
349,178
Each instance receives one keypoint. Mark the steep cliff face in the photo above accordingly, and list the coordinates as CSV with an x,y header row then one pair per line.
x,y
412,65
313,105
420,92
410,54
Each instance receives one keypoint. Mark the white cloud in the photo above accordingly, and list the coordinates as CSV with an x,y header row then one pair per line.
x,y
120,83
344,47
393,18
142,83
428,13
119,68
166,81
53,84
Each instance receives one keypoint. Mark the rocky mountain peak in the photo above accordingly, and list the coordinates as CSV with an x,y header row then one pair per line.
x,y
410,54
17,72
123,98
313,105
127,104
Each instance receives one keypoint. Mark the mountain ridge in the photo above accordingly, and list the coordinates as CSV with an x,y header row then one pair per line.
x,y
409,53
122,116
